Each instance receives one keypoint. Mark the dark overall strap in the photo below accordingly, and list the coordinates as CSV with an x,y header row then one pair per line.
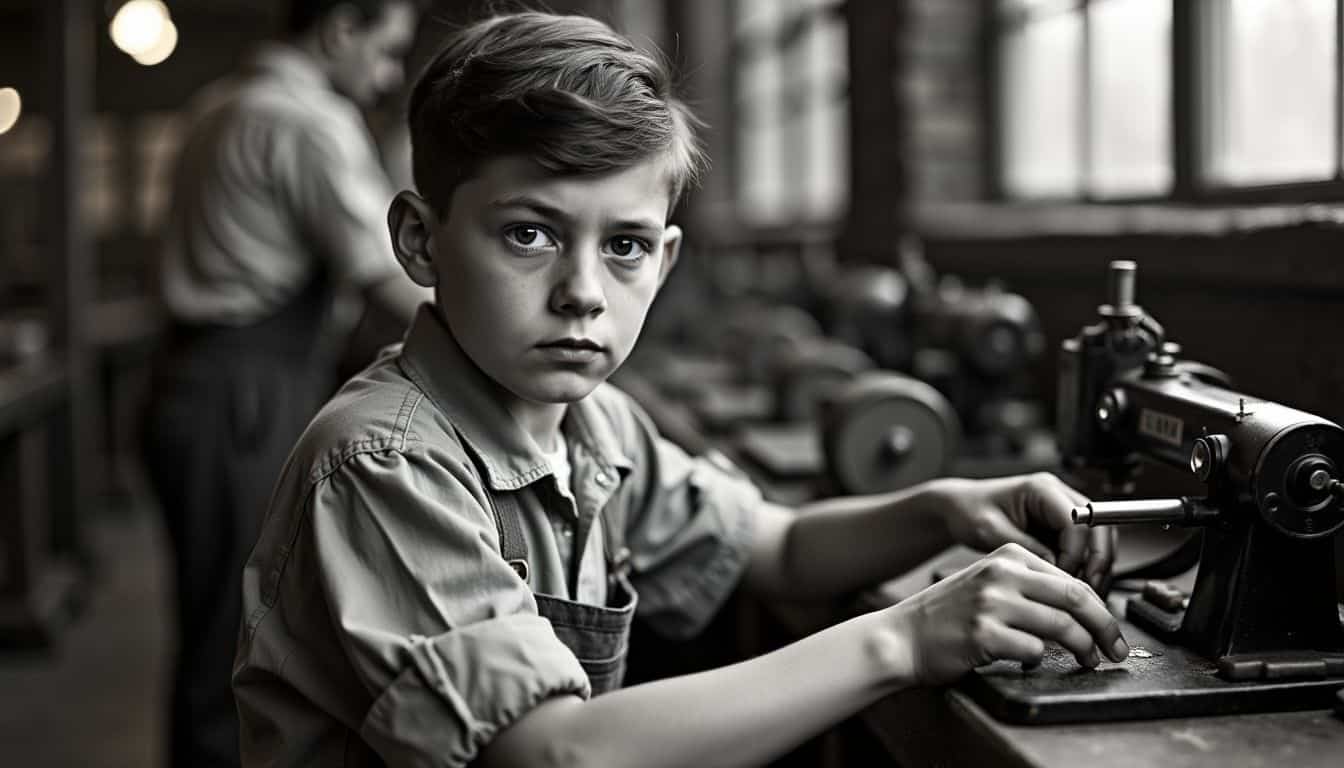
x,y
508,519
613,529
513,547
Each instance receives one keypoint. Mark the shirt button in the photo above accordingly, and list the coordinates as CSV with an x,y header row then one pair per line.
x,y
567,531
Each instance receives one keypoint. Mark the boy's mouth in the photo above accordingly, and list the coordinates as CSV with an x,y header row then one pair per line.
x,y
572,342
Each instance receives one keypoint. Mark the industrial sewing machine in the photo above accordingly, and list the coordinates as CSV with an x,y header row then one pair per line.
x,y
1261,628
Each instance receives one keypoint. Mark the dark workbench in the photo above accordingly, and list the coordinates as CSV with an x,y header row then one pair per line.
x,y
945,727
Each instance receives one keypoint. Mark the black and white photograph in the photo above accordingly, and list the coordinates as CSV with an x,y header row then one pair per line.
x,y
662,383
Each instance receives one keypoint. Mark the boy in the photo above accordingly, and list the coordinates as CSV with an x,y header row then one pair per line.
x,y
461,538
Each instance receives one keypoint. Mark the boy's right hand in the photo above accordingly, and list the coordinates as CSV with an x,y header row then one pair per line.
x,y
1004,606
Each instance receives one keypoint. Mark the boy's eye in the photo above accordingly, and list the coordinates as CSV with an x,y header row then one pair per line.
x,y
528,236
627,249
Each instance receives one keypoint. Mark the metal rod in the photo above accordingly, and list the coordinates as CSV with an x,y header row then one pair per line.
x,y
1182,511
1120,284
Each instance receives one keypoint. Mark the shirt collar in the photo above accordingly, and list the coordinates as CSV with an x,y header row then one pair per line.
x,y
289,63
433,359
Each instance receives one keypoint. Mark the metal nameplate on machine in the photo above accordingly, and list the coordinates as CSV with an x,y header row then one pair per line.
x,y
1261,628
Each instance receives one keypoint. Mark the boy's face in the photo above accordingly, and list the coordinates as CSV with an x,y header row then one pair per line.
x,y
545,280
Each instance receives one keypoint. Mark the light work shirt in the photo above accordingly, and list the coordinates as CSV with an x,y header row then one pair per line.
x,y
278,177
380,622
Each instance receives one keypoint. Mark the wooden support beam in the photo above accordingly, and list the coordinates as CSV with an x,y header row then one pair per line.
x,y
47,464
880,173
69,34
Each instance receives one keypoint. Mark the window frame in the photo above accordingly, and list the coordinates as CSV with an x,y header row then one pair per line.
x,y
1191,30
783,42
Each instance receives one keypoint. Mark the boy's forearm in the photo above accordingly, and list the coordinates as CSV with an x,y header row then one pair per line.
x,y
839,545
744,714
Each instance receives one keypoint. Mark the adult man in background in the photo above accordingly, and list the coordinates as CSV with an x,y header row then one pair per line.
x,y
278,218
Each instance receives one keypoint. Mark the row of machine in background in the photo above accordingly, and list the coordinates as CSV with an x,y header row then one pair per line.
x,y
892,378
872,378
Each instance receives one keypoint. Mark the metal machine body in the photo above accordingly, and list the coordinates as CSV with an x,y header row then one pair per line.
x,y
1266,578
1262,615
975,345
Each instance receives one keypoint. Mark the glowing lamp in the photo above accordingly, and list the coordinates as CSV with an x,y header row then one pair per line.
x,y
10,107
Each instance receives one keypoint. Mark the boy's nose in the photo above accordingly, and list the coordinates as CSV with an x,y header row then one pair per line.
x,y
578,291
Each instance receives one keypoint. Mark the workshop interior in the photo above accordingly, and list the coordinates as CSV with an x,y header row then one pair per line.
x,y
1102,239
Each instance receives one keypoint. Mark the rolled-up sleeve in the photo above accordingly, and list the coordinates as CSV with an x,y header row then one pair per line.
x,y
441,633
689,532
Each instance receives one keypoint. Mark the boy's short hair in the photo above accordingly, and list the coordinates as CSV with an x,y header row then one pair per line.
x,y
566,91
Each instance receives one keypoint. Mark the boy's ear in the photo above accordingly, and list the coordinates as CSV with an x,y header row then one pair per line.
x,y
671,250
412,222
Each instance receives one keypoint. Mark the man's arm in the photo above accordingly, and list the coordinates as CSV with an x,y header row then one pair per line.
x,y
340,194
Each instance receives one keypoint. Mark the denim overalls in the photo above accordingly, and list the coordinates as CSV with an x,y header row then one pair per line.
x,y
599,636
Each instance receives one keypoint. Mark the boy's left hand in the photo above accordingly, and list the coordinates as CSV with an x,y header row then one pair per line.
x,y
1034,511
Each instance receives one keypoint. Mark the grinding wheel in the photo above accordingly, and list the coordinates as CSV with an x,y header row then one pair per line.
x,y
884,431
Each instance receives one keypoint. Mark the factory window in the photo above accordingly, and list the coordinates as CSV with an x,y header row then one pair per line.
x,y
23,164
1085,95
102,204
1271,83
1129,65
792,131
1042,102
158,138
1087,110
24,155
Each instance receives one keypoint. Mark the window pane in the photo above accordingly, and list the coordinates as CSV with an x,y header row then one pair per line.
x,y
25,159
158,138
793,156
1272,111
1041,75
1034,8
760,84
1131,96
101,203
825,144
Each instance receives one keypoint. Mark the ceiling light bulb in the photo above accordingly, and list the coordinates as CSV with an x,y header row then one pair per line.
x,y
10,107
162,49
139,25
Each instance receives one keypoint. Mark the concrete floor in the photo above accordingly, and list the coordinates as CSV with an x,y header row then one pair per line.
x,y
96,699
